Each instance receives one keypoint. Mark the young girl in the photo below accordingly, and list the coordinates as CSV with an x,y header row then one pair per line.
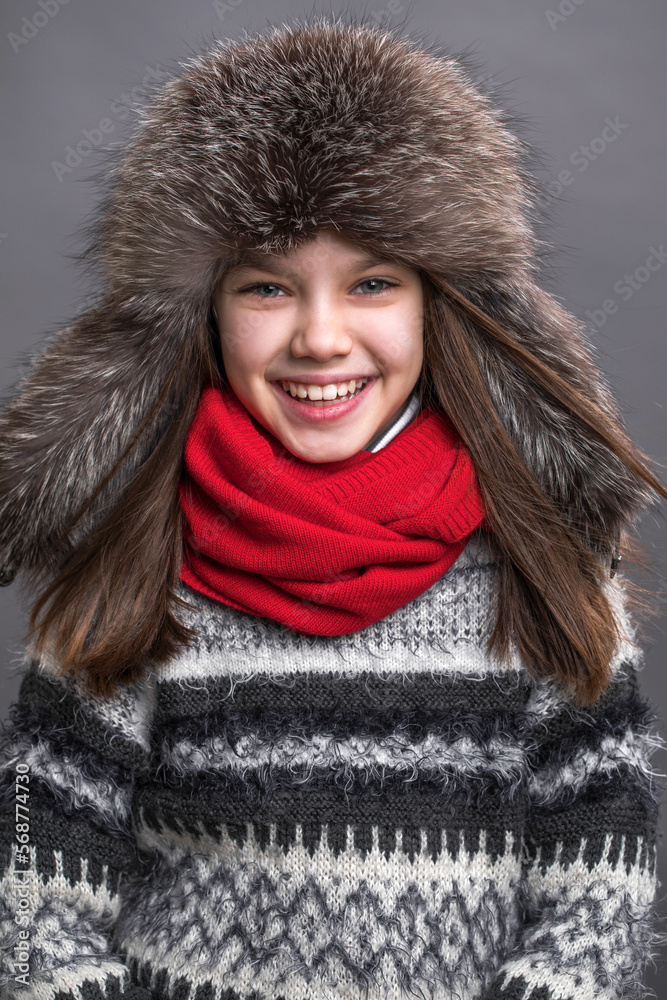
x,y
331,689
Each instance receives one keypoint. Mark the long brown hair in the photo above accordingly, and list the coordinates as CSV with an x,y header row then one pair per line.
x,y
551,598
111,607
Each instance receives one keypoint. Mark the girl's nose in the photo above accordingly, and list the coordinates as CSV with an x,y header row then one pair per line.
x,y
321,335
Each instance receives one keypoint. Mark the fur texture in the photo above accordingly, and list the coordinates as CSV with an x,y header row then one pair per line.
x,y
256,144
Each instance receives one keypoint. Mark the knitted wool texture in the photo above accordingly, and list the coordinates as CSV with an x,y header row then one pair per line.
x,y
378,815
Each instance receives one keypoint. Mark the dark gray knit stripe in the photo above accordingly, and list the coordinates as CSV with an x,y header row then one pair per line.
x,y
558,754
161,989
259,785
90,989
342,722
504,779
385,692
76,838
101,786
625,779
516,989
631,825
67,800
621,705
392,811
43,701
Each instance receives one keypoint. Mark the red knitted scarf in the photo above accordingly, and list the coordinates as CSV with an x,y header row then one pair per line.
x,y
327,548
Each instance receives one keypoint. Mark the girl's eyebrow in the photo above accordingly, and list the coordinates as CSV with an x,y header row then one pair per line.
x,y
277,265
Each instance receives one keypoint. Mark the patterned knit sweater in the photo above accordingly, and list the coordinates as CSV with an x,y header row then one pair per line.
x,y
379,815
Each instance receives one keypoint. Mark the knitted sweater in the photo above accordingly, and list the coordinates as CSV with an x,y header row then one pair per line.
x,y
385,814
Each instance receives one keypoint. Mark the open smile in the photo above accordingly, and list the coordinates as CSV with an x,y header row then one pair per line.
x,y
299,401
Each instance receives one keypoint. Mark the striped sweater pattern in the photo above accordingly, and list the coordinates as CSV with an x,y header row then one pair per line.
x,y
278,816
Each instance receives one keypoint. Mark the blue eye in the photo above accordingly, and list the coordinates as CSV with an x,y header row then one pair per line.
x,y
263,284
255,289
377,281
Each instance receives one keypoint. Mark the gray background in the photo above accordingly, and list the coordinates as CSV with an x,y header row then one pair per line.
x,y
564,67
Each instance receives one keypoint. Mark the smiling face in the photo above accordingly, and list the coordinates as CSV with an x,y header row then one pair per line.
x,y
319,317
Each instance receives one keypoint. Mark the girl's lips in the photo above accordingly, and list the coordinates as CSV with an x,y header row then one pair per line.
x,y
315,414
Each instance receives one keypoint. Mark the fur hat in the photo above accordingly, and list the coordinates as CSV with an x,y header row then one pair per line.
x,y
254,145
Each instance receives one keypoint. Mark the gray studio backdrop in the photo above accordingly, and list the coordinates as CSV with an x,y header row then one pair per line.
x,y
585,76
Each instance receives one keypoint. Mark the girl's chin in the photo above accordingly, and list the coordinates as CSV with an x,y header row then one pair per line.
x,y
328,447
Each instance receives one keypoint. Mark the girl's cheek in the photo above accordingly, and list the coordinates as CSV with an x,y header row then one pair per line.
x,y
399,351
247,329
236,330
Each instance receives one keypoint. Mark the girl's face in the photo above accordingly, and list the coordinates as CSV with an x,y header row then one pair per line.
x,y
317,318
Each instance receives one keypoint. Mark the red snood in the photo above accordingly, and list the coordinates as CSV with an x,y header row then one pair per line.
x,y
328,548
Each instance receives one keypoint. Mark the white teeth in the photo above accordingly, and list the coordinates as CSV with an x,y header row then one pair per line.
x,y
320,392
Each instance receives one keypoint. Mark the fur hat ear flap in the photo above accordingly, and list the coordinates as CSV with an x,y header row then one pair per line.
x,y
536,364
92,408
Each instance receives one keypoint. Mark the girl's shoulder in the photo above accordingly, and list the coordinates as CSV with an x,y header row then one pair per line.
x,y
118,727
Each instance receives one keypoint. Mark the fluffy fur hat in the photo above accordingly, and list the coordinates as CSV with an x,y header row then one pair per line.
x,y
256,144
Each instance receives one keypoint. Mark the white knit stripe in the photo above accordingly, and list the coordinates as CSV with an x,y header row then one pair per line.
x,y
547,881
374,867
69,927
70,785
593,930
82,893
325,904
499,757
443,631
632,750
467,659
410,412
